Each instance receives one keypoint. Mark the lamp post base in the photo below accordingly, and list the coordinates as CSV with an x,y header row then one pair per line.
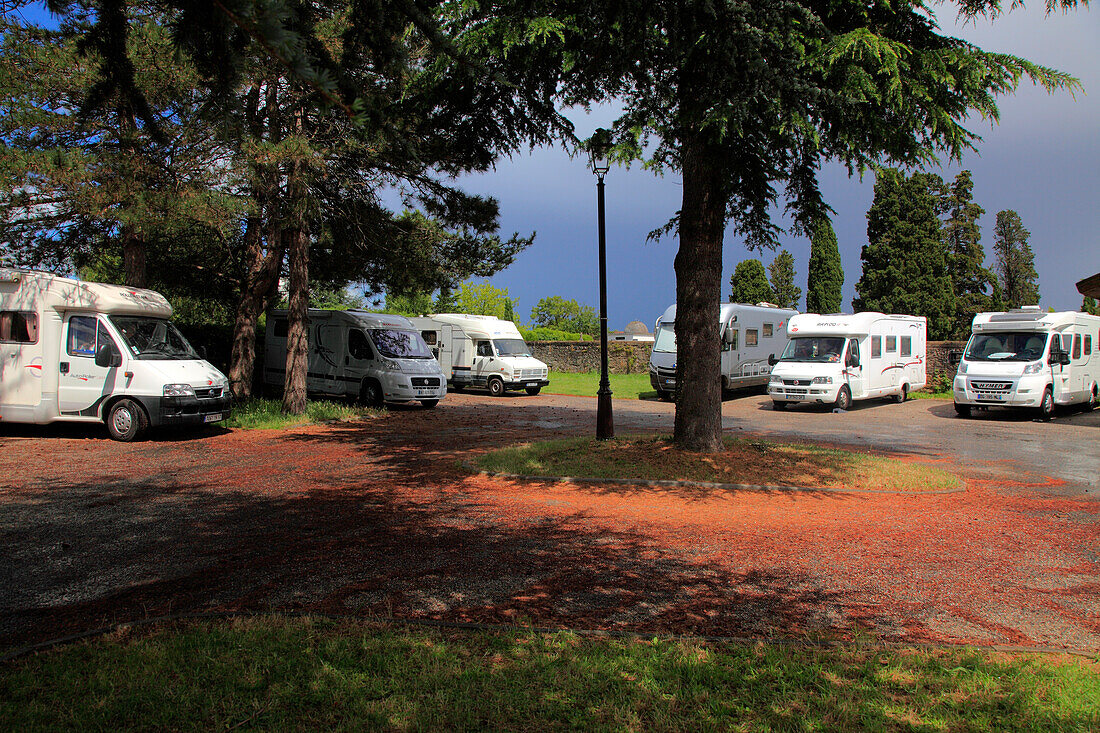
x,y
605,422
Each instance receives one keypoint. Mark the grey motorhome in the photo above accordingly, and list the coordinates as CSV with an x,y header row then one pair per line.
x,y
374,357
749,334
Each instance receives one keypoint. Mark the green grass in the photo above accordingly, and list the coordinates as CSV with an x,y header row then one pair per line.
x,y
275,674
745,461
585,384
264,414
922,395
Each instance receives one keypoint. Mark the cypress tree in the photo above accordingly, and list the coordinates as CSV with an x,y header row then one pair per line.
x,y
965,255
824,276
749,283
781,271
1015,261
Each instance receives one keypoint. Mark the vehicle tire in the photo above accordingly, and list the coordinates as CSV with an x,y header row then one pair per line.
x,y
370,394
429,403
666,396
903,395
456,388
126,420
496,386
1091,404
533,390
776,405
843,399
962,410
1046,407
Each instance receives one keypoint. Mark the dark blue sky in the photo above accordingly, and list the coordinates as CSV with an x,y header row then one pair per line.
x,y
1042,160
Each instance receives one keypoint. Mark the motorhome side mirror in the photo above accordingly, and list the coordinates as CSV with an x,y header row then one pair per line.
x,y
954,357
108,357
202,352
853,359
1063,357
772,361
727,337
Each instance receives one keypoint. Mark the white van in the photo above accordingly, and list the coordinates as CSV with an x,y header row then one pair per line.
x,y
482,351
749,333
373,357
1026,358
89,352
836,359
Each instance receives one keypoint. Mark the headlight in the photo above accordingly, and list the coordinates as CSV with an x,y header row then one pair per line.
x,y
775,380
179,390
1034,368
822,380
391,366
962,367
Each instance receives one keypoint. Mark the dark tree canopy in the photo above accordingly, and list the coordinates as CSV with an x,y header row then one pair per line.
x,y
749,283
825,274
561,314
785,293
970,280
1015,261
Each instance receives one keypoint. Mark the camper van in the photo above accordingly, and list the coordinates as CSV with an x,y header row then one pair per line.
x,y
482,351
835,359
373,357
89,352
749,333
1026,358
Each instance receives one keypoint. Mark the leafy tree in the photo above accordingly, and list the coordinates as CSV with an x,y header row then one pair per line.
x,y
1015,260
555,312
1090,305
411,304
970,280
486,300
781,270
824,275
904,260
749,283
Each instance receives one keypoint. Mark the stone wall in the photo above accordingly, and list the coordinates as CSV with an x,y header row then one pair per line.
x,y
632,357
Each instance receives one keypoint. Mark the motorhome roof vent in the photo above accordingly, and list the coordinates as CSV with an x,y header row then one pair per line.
x,y
1029,308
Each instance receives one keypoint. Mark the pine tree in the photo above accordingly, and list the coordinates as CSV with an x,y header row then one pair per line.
x,y
904,262
1090,306
749,283
1015,261
785,293
965,255
825,275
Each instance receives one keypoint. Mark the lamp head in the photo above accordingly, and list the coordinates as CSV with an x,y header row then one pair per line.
x,y
599,146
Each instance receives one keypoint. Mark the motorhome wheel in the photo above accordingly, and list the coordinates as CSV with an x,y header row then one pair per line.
x,y
429,403
962,410
1092,400
843,398
903,394
779,405
371,394
126,421
533,390
496,386
1046,407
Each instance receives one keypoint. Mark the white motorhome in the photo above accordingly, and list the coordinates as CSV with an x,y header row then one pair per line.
x,y
749,333
835,359
373,357
482,351
90,352
1026,358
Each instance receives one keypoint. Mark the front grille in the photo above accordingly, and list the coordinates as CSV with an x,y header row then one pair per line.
x,y
666,372
425,381
208,393
531,374
990,386
797,382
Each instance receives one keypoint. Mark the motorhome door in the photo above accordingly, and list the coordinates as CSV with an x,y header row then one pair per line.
x,y
484,362
82,385
853,370
325,357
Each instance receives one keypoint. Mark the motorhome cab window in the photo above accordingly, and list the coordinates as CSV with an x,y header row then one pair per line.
x,y
18,327
511,347
400,344
484,348
429,337
153,338
876,347
813,349
358,347
767,330
906,345
751,337
665,340
1007,346
82,336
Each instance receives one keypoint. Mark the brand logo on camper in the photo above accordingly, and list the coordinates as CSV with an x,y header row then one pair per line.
x,y
36,367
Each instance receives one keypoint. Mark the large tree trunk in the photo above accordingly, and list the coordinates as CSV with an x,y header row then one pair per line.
x,y
134,271
297,340
263,273
698,425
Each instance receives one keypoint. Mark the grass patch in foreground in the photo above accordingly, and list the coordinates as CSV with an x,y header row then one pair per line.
x,y
745,461
265,414
585,384
276,674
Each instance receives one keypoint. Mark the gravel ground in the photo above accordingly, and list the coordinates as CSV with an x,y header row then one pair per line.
x,y
377,518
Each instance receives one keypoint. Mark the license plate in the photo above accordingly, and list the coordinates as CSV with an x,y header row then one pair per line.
x,y
796,397
532,384
213,418
670,382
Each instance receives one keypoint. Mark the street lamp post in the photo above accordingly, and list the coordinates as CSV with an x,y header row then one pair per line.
x,y
598,150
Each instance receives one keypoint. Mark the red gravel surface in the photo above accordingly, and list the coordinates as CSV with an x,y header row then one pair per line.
x,y
378,518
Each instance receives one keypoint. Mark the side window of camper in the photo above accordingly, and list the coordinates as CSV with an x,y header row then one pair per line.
x,y
891,344
82,336
876,347
767,330
18,327
484,348
358,346
752,337
1077,346
732,345
429,337
280,327
906,345
1088,345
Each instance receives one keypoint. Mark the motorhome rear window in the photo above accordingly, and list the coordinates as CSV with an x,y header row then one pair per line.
x,y
876,347
752,338
19,327
906,345
767,330
891,344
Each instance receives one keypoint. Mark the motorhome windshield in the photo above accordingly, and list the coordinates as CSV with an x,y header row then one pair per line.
x,y
665,339
400,344
821,349
1006,346
511,347
153,338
